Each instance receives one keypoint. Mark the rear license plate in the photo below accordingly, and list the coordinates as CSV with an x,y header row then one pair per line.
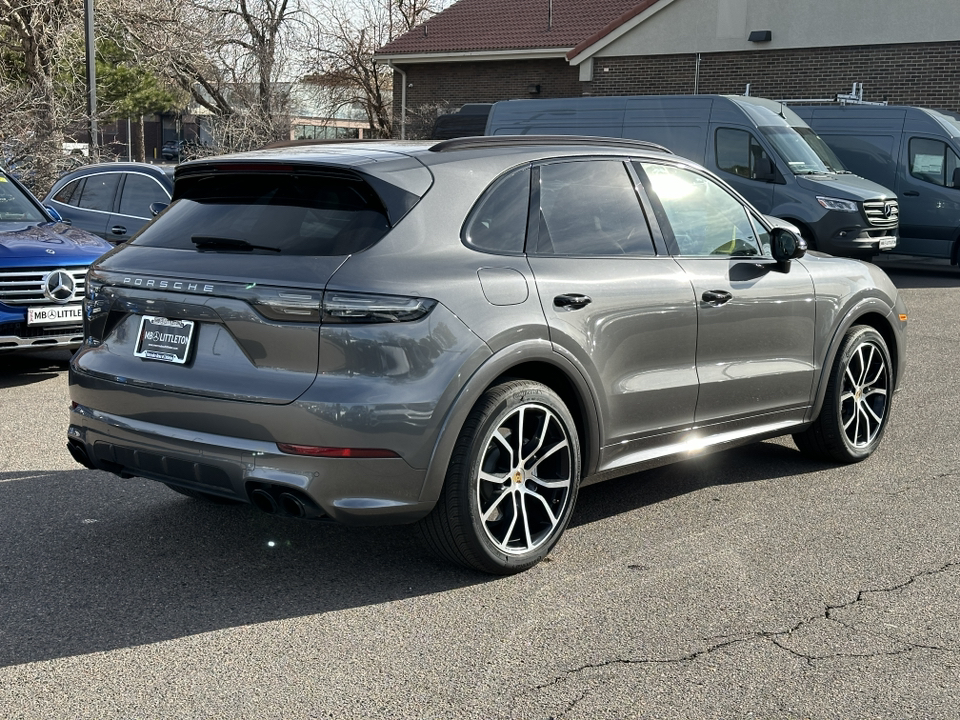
x,y
887,243
51,315
164,339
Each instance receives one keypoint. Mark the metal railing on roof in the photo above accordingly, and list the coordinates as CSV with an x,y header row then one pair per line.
x,y
495,141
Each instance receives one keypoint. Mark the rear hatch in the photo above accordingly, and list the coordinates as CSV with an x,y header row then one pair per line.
x,y
221,295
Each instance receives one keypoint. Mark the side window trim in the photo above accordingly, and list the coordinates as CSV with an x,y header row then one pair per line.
x,y
662,221
660,245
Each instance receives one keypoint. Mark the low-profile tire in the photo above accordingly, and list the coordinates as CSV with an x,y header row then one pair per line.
x,y
202,496
857,403
511,484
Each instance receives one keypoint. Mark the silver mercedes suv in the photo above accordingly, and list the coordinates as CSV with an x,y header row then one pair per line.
x,y
463,334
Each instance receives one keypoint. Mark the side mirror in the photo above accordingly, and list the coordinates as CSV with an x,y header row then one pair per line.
x,y
785,246
763,170
956,177
157,208
58,218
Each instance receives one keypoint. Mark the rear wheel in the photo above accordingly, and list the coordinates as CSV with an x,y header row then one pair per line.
x,y
856,406
511,484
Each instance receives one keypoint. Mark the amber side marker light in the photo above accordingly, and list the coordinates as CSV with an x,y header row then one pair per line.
x,y
903,318
335,452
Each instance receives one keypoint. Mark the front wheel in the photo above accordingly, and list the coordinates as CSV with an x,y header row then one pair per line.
x,y
511,484
856,406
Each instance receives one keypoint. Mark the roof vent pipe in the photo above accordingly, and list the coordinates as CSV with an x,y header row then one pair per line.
x,y
549,14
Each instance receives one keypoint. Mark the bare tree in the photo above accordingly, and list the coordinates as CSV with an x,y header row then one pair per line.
x,y
345,34
229,55
33,35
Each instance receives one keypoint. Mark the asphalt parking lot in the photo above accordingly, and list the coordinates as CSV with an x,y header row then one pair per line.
x,y
751,583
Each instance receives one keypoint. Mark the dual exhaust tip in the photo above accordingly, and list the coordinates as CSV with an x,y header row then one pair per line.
x,y
288,502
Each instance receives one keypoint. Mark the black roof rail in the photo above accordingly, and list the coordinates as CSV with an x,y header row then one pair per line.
x,y
494,141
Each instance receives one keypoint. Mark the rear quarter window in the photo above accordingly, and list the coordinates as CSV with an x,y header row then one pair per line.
x,y
285,213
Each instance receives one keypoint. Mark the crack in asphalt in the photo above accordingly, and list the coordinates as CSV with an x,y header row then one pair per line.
x,y
774,637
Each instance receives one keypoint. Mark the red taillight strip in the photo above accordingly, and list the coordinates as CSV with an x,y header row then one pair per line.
x,y
335,452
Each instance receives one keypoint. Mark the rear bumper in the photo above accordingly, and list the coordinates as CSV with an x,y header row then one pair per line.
x,y
351,491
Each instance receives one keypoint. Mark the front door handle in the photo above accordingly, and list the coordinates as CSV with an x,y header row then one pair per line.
x,y
572,301
118,230
716,297
911,193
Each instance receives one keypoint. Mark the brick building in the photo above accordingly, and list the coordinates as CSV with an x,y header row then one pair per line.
x,y
489,50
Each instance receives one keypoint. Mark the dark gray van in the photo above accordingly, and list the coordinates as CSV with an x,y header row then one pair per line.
x,y
913,150
760,147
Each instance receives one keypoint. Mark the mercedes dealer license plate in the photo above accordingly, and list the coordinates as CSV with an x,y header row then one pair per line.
x,y
55,314
887,243
164,339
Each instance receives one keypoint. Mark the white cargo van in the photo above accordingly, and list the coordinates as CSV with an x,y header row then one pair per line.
x,y
760,147
913,150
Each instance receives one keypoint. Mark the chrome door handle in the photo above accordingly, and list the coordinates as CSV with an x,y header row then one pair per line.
x,y
118,230
716,297
572,301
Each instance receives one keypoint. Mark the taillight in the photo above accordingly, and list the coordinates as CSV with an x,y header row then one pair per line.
x,y
341,307
336,452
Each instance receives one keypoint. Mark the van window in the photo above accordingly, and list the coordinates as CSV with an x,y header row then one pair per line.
x,y
738,152
932,161
705,218
591,208
498,224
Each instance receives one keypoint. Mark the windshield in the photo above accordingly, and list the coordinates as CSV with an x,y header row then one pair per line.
x,y
802,150
15,207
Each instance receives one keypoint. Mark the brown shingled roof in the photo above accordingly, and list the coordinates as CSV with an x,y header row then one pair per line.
x,y
479,25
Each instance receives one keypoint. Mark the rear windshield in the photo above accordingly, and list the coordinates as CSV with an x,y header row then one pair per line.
x,y
270,213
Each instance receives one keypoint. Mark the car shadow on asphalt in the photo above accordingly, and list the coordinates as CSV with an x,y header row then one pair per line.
x,y
756,462
90,562
26,368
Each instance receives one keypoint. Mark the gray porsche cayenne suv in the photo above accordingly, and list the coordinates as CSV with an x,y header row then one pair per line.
x,y
463,334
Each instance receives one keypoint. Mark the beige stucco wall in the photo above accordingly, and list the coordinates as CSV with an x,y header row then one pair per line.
x,y
684,26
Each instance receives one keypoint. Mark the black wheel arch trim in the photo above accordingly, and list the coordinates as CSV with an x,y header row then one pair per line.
x,y
498,365
867,306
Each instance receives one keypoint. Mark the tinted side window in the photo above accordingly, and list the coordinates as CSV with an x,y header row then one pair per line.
x,y
738,152
139,192
705,218
590,208
68,191
498,224
932,161
289,214
99,192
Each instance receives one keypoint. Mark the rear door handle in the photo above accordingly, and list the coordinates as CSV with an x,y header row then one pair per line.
x,y
911,193
716,297
572,301
118,230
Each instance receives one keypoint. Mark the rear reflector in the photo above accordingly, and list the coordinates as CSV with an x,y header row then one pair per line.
x,y
335,452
